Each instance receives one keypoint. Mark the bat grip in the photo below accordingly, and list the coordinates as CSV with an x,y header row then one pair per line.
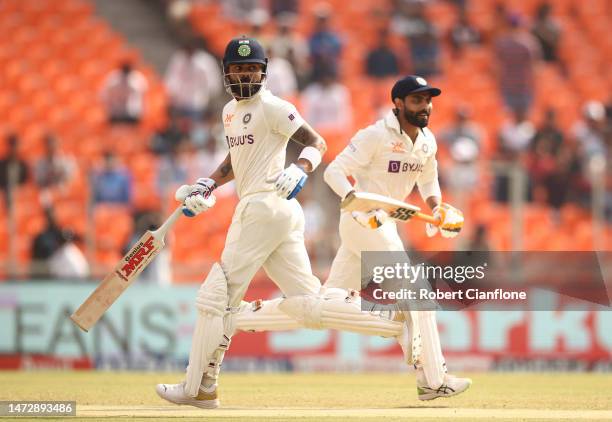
x,y
160,233
427,218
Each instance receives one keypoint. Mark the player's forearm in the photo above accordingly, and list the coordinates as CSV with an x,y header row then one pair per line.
x,y
337,180
314,147
224,173
433,201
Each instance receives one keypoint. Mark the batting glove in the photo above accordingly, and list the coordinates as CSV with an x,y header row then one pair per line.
x,y
372,219
290,182
200,198
451,221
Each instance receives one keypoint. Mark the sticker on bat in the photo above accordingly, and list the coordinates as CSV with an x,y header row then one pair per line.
x,y
136,258
402,214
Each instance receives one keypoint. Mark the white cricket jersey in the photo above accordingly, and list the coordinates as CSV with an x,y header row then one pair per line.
x,y
383,159
256,132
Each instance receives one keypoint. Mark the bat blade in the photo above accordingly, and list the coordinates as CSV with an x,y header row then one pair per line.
x,y
398,210
115,283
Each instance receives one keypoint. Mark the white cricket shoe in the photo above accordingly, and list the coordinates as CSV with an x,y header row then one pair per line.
x,y
451,387
175,393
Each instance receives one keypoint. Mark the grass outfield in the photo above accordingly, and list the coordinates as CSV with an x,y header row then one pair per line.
x,y
329,397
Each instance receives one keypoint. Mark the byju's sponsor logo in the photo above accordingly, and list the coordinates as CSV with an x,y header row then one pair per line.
x,y
397,166
394,166
234,141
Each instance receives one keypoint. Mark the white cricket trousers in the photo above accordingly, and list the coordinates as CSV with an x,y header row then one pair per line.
x,y
268,231
345,271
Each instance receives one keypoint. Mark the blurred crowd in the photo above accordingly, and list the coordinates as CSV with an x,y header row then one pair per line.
x,y
308,71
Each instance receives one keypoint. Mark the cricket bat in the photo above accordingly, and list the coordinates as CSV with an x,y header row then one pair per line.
x,y
398,210
126,271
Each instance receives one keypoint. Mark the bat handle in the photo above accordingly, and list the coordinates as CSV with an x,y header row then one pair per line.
x,y
160,233
427,218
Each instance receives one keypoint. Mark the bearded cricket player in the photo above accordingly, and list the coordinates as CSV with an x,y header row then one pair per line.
x,y
267,230
390,158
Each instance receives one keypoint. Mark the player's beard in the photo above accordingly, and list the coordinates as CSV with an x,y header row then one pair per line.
x,y
246,88
418,119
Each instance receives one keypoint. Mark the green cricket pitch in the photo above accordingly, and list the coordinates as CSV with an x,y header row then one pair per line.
x,y
321,397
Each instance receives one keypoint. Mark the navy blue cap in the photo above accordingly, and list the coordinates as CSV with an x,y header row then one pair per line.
x,y
244,50
412,84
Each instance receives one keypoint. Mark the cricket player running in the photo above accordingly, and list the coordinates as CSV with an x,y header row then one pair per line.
x,y
389,158
267,229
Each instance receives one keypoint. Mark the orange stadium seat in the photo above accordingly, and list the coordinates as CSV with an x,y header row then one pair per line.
x,y
113,226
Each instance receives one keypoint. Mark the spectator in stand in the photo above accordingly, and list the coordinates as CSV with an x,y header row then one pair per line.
x,y
280,79
280,7
549,132
421,35
240,10
54,169
498,25
593,151
193,80
173,169
324,44
123,94
290,45
547,32
568,182
480,239
464,140
463,34
424,45
44,245
463,127
327,103
68,262
515,136
112,183
405,16
13,170
542,167
549,165
381,61
515,139
590,132
517,54
167,137
316,233
257,20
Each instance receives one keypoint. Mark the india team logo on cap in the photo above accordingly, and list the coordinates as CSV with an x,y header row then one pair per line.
x,y
421,81
244,50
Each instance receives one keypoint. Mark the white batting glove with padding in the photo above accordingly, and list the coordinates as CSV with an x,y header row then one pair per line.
x,y
200,197
451,221
289,182
371,219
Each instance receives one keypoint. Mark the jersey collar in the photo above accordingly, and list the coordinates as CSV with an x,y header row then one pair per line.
x,y
392,122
